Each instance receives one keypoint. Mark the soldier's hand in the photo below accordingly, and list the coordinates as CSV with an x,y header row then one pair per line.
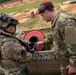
x,y
71,70
39,43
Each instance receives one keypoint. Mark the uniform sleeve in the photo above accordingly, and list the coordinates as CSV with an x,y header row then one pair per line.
x,y
48,39
15,51
70,40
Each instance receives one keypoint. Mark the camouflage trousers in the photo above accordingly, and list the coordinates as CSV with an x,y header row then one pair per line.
x,y
16,72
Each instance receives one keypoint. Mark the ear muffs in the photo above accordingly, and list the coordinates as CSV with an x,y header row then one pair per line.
x,y
42,7
3,17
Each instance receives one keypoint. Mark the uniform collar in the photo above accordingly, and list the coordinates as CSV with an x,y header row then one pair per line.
x,y
4,34
54,21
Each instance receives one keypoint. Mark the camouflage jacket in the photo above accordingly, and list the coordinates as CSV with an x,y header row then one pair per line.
x,y
13,53
64,39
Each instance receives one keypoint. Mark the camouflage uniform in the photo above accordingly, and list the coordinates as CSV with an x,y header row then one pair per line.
x,y
64,40
13,52
13,55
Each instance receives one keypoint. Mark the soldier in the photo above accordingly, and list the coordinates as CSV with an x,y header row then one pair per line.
x,y
63,32
13,52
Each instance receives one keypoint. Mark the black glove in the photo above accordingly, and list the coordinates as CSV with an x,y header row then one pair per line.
x,y
32,47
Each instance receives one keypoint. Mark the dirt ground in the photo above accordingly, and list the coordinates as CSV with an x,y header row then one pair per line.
x,y
14,3
70,8
24,16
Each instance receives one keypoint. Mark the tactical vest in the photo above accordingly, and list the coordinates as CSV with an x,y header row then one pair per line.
x,y
9,63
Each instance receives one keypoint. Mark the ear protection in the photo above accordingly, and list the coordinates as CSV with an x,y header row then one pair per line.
x,y
42,8
3,17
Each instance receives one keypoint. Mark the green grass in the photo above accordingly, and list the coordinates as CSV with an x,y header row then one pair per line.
x,y
28,24
34,23
20,8
57,2
25,6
